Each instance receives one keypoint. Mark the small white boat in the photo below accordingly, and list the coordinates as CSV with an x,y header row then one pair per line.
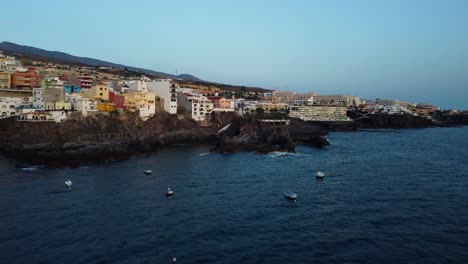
x,y
169,191
320,175
68,184
147,172
290,195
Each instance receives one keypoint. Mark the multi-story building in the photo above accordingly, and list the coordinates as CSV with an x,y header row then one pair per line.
x,y
302,99
282,96
9,64
117,99
221,104
99,92
54,82
26,80
86,106
138,85
52,95
105,106
73,99
336,100
37,100
197,105
5,80
167,91
320,113
293,98
272,106
85,81
72,89
8,106
59,105
142,102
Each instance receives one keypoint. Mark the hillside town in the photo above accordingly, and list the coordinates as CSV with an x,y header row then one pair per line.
x,y
51,92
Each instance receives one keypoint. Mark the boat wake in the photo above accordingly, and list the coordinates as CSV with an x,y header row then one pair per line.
x,y
204,154
278,154
32,168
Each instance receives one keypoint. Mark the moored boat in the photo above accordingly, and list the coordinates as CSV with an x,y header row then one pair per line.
x,y
290,195
169,191
68,184
320,175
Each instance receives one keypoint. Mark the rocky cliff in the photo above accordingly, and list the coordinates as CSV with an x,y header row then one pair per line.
x,y
102,137
95,138
390,121
250,135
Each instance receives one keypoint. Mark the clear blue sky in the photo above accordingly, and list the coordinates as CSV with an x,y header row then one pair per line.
x,y
410,50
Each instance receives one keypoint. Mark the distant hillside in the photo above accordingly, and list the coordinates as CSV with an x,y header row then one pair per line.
x,y
33,53
65,57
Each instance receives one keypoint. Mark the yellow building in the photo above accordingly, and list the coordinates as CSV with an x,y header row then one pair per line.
x,y
99,92
105,106
144,102
58,105
5,80
271,106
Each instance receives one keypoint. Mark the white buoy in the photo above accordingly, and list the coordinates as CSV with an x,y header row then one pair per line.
x,y
68,184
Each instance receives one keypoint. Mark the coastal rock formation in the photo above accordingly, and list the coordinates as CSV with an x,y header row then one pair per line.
x,y
251,135
109,137
95,138
308,133
390,121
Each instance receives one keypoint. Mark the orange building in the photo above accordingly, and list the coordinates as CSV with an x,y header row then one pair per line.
x,y
105,106
225,103
26,80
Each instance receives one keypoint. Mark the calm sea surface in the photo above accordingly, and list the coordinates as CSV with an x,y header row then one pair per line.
x,y
388,197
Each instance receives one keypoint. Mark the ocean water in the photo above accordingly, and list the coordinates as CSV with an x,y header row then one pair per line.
x,y
396,197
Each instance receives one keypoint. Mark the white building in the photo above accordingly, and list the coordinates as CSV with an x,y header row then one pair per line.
x,y
395,109
86,106
37,100
8,106
320,113
9,64
138,85
166,91
198,105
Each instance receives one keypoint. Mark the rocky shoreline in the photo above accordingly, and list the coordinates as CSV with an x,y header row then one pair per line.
x,y
80,140
100,138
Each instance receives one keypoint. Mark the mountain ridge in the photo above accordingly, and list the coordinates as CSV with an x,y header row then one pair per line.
x,y
66,57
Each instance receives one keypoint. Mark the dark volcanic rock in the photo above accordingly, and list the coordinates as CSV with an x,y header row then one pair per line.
x,y
308,133
390,121
251,135
74,140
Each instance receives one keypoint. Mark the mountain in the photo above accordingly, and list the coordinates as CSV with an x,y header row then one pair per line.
x,y
65,57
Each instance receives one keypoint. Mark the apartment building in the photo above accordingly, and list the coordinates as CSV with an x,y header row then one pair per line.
x,y
5,80
197,105
26,80
320,113
167,91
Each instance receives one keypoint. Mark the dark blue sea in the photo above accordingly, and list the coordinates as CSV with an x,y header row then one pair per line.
x,y
388,197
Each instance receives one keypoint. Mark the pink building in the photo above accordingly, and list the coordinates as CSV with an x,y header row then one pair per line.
x,y
117,99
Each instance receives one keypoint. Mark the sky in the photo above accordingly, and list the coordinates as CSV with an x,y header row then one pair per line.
x,y
408,50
